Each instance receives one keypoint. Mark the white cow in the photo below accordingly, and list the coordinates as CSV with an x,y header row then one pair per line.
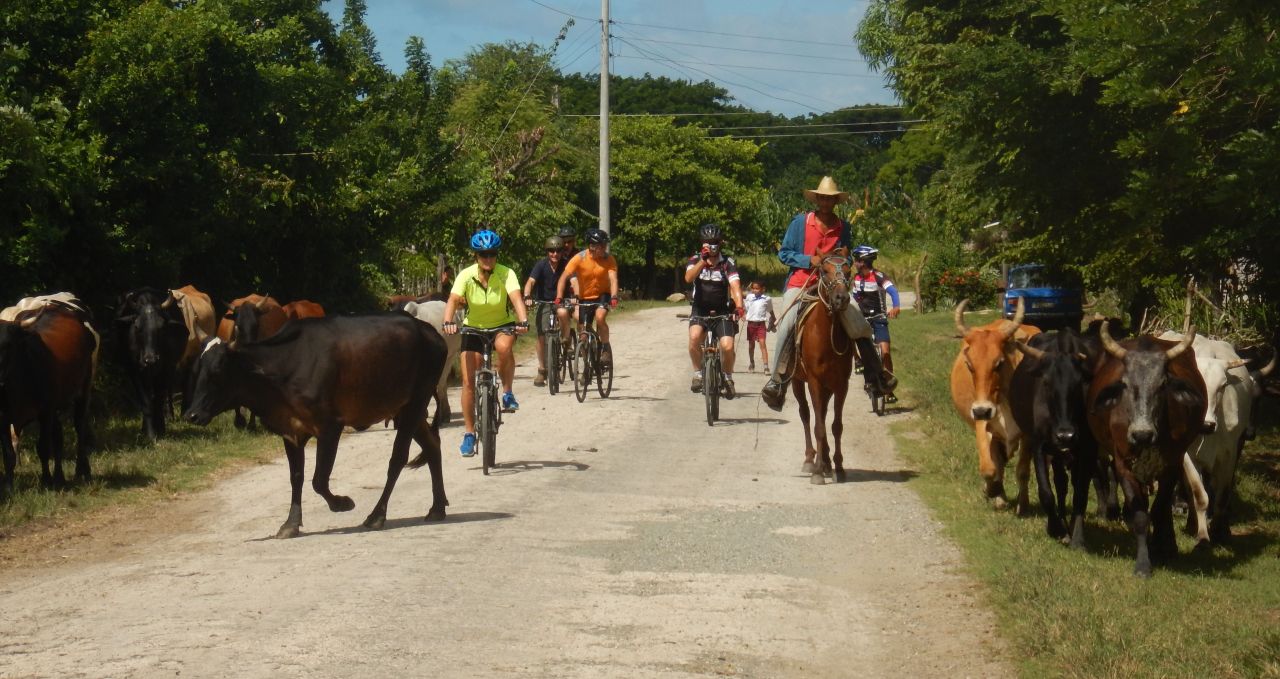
x,y
433,313
1232,391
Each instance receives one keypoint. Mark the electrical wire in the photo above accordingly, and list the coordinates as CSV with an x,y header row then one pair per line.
x,y
743,49
568,14
727,113
863,124
732,35
769,68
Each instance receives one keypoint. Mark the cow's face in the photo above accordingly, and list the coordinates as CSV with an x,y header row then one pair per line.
x,y
246,328
985,355
1217,379
1061,394
210,381
1143,394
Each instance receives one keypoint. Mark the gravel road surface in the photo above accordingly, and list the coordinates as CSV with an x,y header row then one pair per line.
x,y
620,537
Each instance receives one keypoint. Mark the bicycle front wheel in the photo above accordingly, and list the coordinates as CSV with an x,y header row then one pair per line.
x,y
553,363
487,423
582,370
711,387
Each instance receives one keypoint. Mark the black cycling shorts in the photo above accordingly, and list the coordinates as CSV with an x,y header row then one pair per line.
x,y
476,344
720,325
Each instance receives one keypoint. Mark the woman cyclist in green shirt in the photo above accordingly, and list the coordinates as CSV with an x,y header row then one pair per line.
x,y
491,294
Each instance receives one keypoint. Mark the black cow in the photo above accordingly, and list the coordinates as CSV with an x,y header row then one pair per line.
x,y
150,338
46,367
1047,397
318,375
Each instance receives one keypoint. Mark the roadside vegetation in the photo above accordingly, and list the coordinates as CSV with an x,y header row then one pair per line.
x,y
128,471
1068,614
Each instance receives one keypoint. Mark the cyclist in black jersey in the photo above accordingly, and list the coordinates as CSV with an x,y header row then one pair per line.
x,y
541,286
716,291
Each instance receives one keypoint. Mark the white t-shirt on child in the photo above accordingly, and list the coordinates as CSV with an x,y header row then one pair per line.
x,y
759,307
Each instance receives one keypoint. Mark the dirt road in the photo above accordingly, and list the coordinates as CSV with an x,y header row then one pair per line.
x,y
619,538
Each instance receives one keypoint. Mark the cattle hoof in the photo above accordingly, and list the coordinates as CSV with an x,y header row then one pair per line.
x,y
375,521
817,479
341,503
840,477
999,503
288,531
1077,545
1144,573
436,514
807,468
1202,547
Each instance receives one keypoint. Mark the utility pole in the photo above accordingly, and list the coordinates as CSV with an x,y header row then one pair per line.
x,y
604,115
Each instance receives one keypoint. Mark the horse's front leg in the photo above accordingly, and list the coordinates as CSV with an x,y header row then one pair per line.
x,y
837,432
802,402
823,463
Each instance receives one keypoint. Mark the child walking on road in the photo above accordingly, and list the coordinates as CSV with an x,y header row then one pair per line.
x,y
760,320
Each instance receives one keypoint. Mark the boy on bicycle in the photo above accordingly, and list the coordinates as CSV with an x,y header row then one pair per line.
x,y
541,287
869,289
717,291
760,321
491,293
597,273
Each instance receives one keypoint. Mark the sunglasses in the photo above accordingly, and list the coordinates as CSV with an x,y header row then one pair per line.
x,y
553,252
486,253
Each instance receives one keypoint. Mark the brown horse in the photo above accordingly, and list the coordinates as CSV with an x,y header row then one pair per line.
x,y
825,361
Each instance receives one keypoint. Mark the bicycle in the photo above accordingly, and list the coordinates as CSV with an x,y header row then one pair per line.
x,y
558,362
586,359
488,411
713,386
877,395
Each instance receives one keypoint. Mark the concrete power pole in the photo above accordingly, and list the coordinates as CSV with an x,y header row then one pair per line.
x,y
604,115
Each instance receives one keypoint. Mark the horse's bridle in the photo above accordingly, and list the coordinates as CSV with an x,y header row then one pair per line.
x,y
825,283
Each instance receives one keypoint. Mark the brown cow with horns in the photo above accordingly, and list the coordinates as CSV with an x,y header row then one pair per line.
x,y
1146,405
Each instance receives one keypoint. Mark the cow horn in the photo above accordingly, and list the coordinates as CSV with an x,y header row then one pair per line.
x,y
959,318
1109,344
169,302
1182,346
1237,363
1266,369
262,303
1028,349
1012,326
31,320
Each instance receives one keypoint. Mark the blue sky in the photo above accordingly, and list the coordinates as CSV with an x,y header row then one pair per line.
x,y
809,44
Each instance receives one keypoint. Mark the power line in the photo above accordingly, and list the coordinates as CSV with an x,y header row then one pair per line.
x,y
674,63
728,113
733,35
743,49
770,127
766,68
802,134
738,73
568,14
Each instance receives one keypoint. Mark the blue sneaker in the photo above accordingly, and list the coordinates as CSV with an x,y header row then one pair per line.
x,y
468,446
509,403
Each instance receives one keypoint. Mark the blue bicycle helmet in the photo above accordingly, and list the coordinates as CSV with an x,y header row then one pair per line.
x,y
865,252
485,240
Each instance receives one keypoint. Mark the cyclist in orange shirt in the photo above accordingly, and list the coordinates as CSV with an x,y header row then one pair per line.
x,y
597,273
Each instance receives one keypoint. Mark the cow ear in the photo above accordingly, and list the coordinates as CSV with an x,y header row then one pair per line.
x,y
1108,396
1185,394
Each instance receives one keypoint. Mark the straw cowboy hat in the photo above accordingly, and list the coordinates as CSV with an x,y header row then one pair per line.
x,y
826,187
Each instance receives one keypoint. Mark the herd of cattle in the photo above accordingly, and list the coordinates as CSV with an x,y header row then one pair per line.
x,y
306,375
1143,412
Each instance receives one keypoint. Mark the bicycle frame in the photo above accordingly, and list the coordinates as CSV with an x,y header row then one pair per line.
x,y
488,411
712,370
588,352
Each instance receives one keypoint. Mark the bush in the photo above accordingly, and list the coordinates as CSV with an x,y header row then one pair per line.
x,y
979,286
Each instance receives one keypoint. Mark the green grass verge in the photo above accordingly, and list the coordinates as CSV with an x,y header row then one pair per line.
x,y
1070,614
128,471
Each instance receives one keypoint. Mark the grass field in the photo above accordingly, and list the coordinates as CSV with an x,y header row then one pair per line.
x,y
1075,614
127,471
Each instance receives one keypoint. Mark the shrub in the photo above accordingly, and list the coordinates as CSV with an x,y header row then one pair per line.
x,y
979,286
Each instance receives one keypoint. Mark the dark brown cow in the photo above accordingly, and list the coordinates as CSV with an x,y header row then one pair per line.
x,y
319,375
250,319
46,367
1146,406
303,308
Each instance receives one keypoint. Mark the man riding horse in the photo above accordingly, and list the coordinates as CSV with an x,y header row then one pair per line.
x,y
810,237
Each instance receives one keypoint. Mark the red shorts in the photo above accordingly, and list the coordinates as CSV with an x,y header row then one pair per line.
x,y
756,331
